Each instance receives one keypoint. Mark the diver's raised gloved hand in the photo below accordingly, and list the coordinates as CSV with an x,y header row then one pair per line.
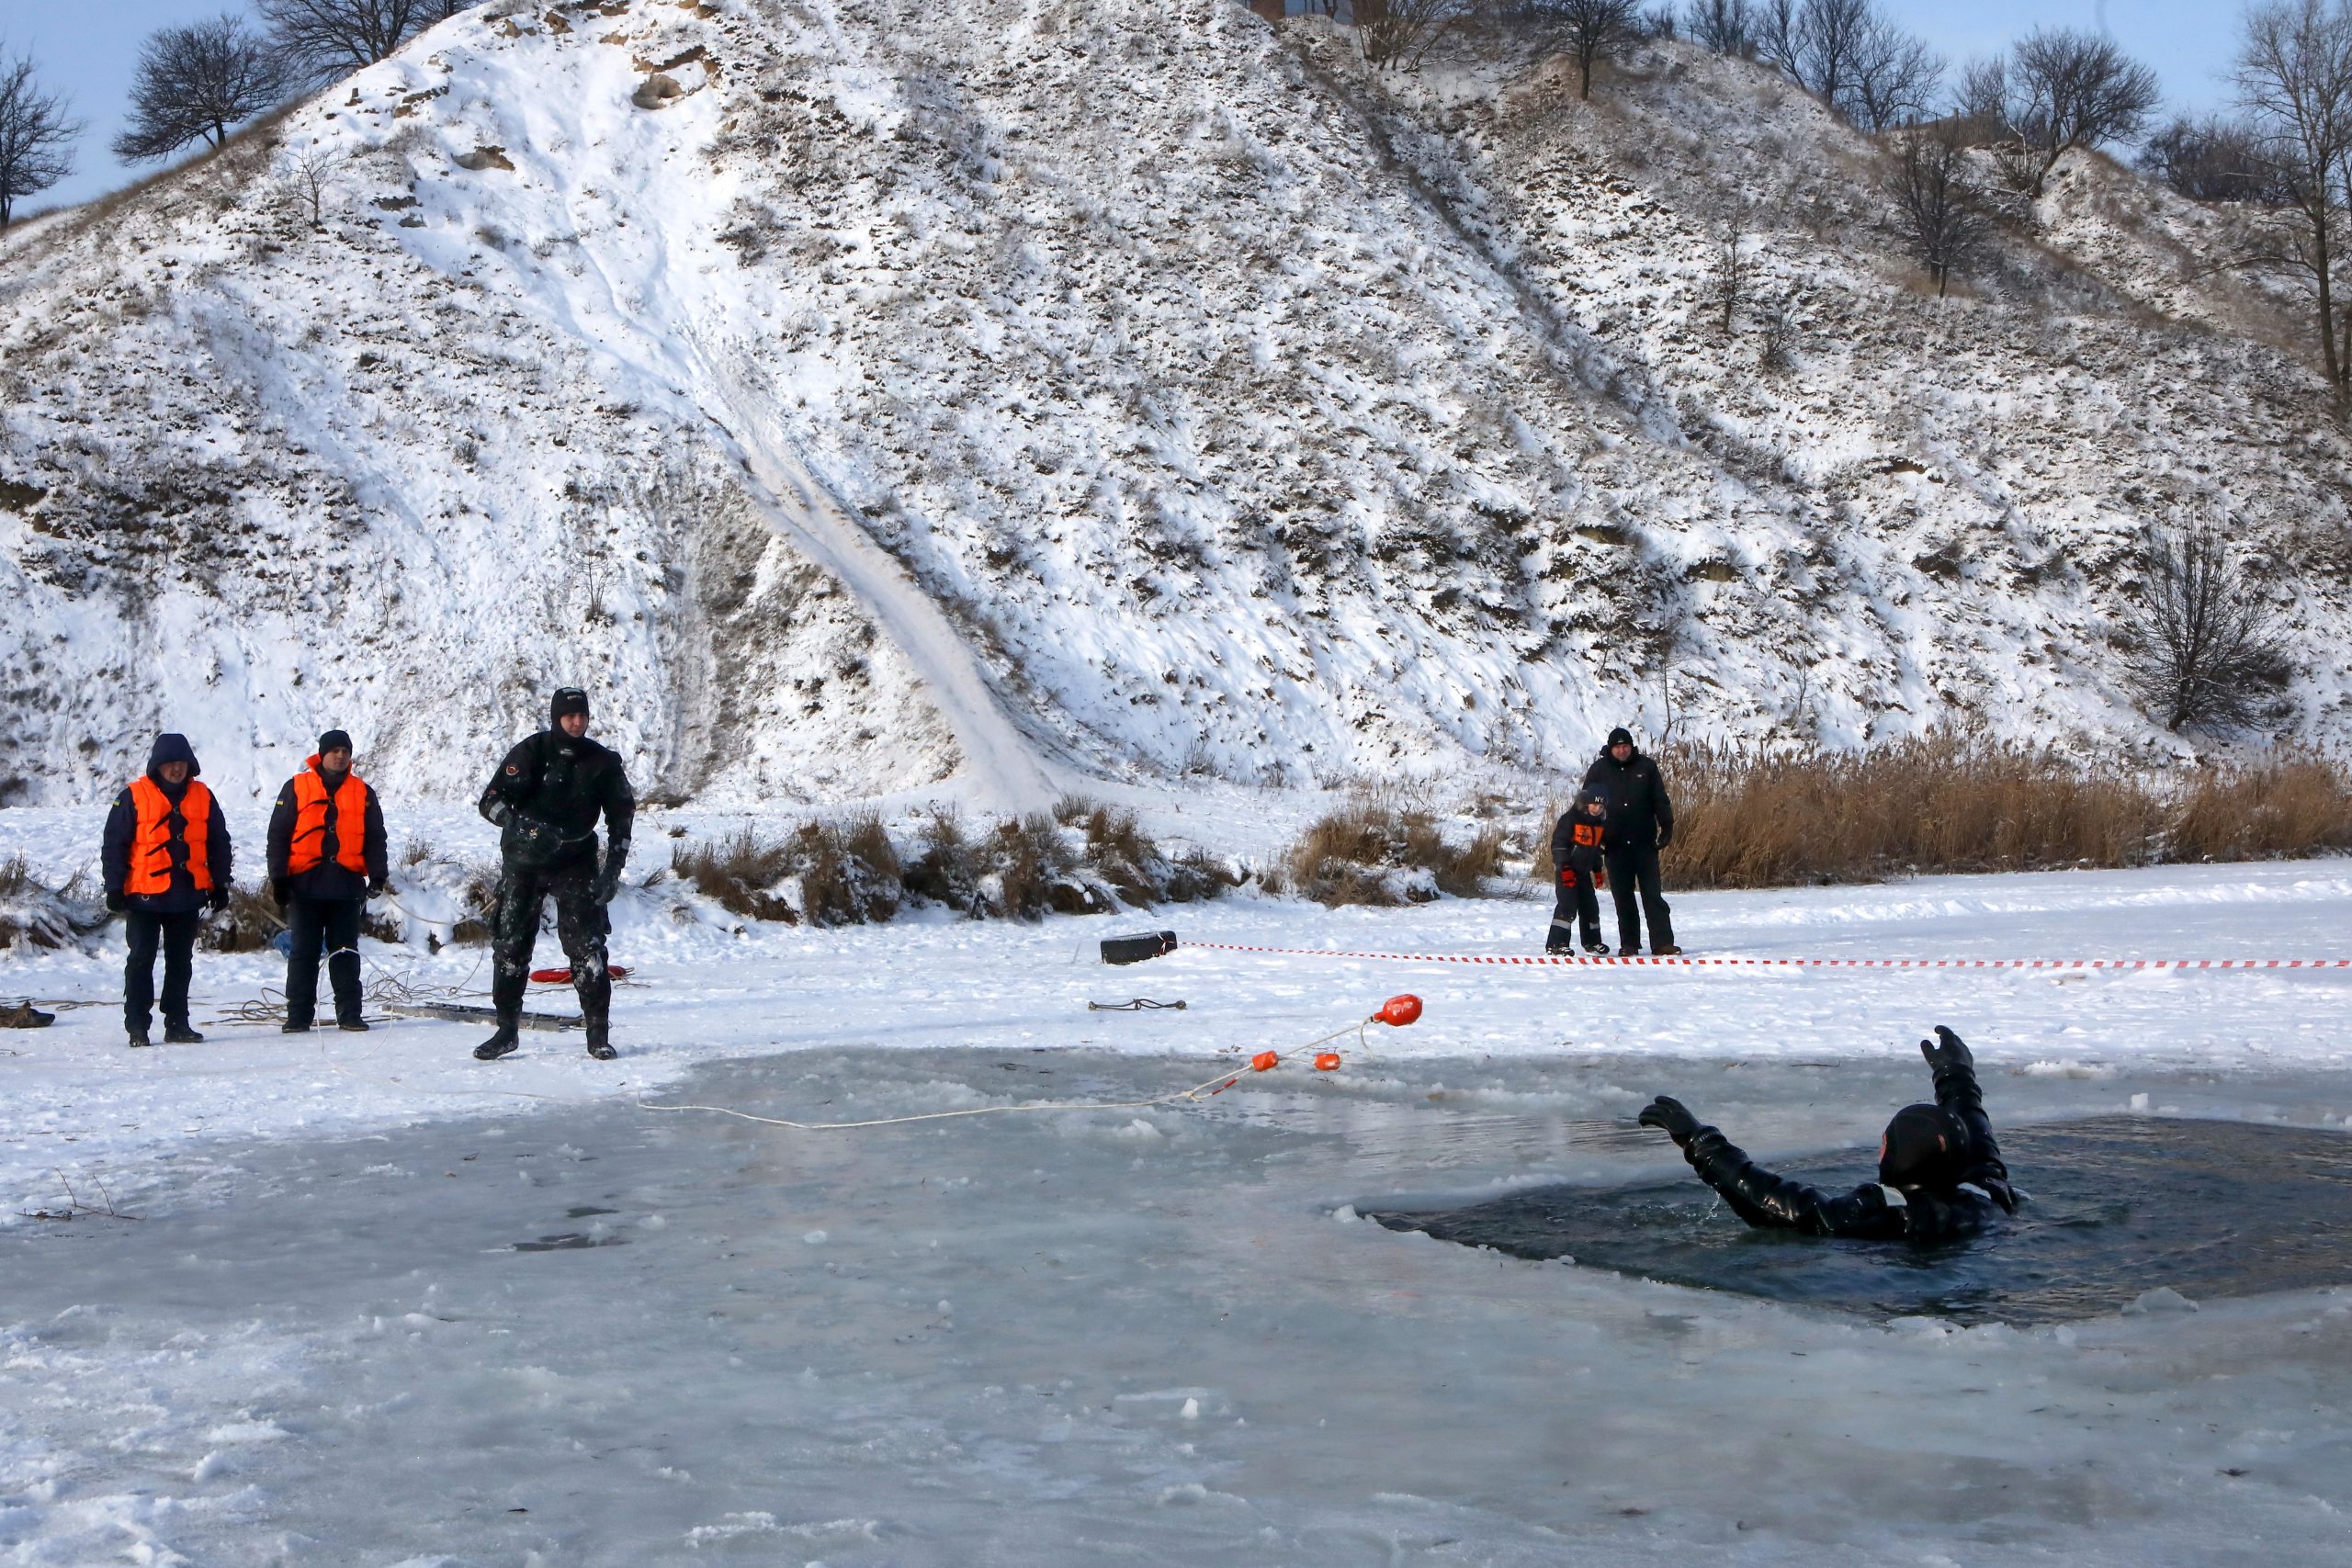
x,y
2000,1192
1674,1117
1947,1050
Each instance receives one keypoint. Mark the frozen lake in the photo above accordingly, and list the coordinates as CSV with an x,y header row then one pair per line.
x,y
377,1309
592,1334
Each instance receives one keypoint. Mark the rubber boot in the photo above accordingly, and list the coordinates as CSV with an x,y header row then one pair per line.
x,y
596,1016
180,1033
501,1044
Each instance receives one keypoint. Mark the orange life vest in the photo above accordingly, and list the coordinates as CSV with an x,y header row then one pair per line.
x,y
151,843
312,803
1589,833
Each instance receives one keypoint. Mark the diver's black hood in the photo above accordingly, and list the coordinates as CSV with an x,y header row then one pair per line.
x,y
1926,1147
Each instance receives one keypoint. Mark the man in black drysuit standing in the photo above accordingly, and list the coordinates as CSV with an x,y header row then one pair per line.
x,y
545,798
1939,1172
1641,823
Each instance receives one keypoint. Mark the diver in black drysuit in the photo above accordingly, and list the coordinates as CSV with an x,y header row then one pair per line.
x,y
1939,1172
546,798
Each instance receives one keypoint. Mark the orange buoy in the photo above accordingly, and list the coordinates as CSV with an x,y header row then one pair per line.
x,y
1399,1011
1264,1062
1326,1062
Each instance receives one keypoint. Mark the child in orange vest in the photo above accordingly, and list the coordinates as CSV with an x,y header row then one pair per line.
x,y
1579,865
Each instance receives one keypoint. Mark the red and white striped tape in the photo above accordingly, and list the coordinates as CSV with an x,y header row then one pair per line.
x,y
1639,960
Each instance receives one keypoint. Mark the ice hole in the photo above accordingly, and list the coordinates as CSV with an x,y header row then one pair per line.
x,y
2119,1206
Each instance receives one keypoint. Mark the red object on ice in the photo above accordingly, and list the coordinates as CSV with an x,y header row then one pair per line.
x,y
563,976
1328,1062
1264,1062
1399,1011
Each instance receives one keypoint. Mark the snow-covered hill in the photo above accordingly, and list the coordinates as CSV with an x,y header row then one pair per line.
x,y
856,394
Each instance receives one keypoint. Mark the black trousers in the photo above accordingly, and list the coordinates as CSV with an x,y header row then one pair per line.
x,y
337,920
1632,873
175,934
1575,913
581,925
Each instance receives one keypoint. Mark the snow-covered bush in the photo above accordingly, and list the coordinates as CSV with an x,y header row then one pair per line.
x,y
1376,850
33,914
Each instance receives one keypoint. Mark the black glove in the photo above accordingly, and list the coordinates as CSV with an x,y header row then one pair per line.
x,y
115,903
1952,1051
217,900
1674,1117
2000,1192
376,885
608,880
1665,837
282,892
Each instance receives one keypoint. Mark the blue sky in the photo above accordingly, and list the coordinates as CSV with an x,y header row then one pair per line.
x,y
85,48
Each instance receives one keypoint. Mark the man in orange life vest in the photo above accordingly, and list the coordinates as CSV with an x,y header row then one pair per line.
x,y
326,859
165,859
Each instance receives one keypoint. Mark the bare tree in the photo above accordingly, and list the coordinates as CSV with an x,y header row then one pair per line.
x,y
36,137
1850,55
1936,193
1592,31
2214,655
196,81
2212,159
2294,84
2058,90
1895,76
1726,26
1734,276
308,176
1400,32
323,39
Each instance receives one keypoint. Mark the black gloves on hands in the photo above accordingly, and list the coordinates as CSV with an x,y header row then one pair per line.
x,y
116,903
217,900
1947,1050
1673,1117
2000,1192
376,885
608,880
1665,837
282,892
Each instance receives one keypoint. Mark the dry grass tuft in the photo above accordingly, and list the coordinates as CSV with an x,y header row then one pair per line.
x,y
1942,803
1377,850
34,914
246,925
842,873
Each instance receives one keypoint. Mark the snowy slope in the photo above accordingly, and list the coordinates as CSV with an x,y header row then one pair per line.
x,y
855,394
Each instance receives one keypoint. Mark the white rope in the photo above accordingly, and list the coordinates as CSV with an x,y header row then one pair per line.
x,y
1230,1077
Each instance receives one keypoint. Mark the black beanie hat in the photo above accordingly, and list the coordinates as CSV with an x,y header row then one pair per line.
x,y
334,740
571,699
1926,1147
1621,735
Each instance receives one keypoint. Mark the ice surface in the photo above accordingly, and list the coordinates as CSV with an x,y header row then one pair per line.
x,y
2210,1208
1037,1341
316,1344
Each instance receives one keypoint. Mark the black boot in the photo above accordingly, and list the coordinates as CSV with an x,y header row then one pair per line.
x,y
139,1038
501,1044
291,1027
597,1015
180,1033
355,1024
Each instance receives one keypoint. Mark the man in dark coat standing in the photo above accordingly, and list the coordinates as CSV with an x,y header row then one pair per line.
x,y
1641,823
326,859
165,859
546,798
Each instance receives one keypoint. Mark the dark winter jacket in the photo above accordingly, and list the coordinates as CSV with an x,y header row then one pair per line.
x,y
546,798
1577,844
327,880
1872,1211
1640,815
122,826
